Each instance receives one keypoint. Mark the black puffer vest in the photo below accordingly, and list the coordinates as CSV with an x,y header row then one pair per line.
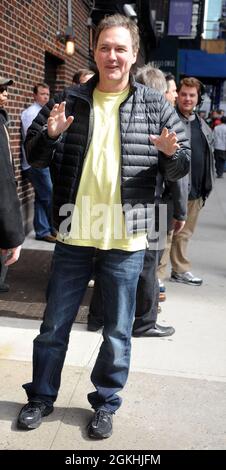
x,y
144,112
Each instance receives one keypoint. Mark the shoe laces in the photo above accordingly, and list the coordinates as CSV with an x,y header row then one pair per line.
x,y
35,404
100,415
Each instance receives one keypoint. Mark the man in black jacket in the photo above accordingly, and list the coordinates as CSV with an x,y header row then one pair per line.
x,y
103,140
11,227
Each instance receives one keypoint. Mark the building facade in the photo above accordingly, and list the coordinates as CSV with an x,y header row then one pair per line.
x,y
30,53
32,50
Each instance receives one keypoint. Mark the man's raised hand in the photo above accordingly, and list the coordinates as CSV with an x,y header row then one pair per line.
x,y
57,122
166,142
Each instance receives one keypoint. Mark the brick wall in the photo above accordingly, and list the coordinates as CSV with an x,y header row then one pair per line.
x,y
27,31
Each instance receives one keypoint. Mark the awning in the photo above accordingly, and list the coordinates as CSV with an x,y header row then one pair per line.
x,y
202,64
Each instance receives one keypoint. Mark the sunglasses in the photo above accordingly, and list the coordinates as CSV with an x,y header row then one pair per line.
x,y
3,88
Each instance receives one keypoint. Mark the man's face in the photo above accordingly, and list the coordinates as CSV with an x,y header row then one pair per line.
x,y
3,96
171,94
114,56
42,97
187,99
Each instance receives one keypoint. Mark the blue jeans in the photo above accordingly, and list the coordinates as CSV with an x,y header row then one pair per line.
x,y
41,181
147,297
118,273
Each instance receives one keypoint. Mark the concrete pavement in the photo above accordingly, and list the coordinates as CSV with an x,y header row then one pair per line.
x,y
175,396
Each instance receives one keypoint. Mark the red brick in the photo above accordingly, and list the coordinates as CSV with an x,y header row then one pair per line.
x,y
28,30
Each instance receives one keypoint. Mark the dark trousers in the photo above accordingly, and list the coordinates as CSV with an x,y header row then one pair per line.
x,y
220,158
147,296
3,269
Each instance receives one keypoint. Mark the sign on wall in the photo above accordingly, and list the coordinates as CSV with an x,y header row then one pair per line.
x,y
180,18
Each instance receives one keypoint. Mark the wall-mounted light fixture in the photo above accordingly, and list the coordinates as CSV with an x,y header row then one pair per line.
x,y
129,10
67,38
90,29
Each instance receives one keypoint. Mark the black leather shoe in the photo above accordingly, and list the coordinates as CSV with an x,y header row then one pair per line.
x,y
100,427
92,326
47,238
158,331
31,414
4,287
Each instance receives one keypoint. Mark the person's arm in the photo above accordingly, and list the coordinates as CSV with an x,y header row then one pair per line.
x,y
11,225
41,141
172,143
26,121
179,193
176,197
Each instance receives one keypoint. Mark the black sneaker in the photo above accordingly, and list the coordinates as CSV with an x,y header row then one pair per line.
x,y
31,414
100,425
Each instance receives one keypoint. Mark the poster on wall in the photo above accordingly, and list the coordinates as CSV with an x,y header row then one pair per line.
x,y
180,18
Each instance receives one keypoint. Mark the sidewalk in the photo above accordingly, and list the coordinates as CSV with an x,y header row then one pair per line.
x,y
175,396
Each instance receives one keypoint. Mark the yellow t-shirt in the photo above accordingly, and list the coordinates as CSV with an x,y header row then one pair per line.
x,y
97,218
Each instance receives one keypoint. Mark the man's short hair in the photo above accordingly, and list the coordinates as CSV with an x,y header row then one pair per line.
x,y
39,85
223,119
81,72
190,82
152,77
118,20
169,76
